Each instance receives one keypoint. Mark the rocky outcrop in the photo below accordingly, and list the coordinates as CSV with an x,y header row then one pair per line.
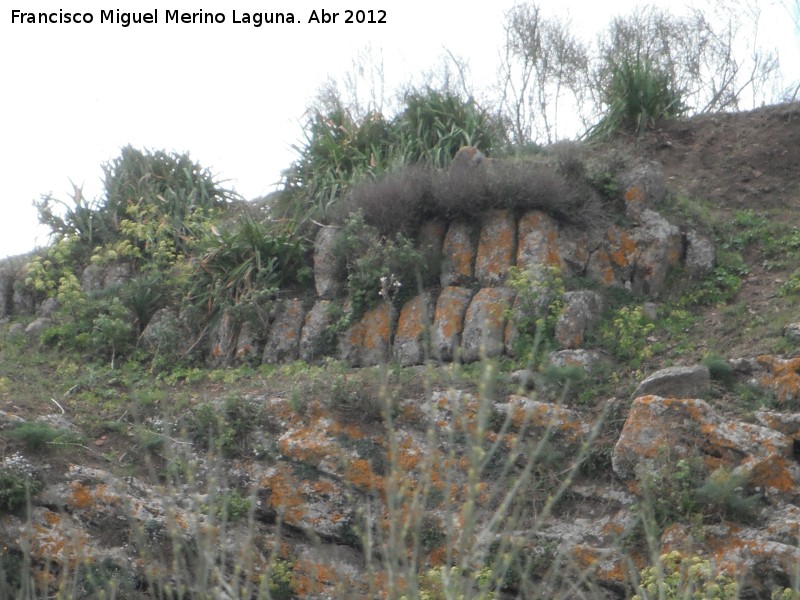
x,y
676,382
759,550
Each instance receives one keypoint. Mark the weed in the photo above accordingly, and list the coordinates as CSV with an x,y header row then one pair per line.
x,y
719,369
677,577
626,335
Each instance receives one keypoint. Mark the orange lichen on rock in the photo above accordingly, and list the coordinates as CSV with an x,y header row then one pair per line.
x,y
377,326
285,496
538,241
773,474
359,472
495,247
312,578
623,245
81,495
784,376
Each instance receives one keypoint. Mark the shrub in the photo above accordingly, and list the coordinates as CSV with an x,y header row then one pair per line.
x,y
626,333
38,436
341,150
159,192
435,124
226,428
18,481
637,95
719,369
369,261
244,265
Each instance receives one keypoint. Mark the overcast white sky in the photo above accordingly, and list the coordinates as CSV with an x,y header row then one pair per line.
x,y
232,95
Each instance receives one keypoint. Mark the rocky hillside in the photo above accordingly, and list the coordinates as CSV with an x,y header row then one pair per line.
x,y
556,406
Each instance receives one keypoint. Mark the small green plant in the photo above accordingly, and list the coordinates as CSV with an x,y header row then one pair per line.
x,y
791,287
678,577
18,482
722,496
538,305
230,506
37,437
669,489
279,579
626,335
719,369
370,261
452,584
226,428
242,266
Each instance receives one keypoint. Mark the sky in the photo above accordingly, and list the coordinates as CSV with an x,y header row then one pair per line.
x,y
232,95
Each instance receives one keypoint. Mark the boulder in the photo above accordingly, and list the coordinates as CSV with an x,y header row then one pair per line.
x,y
485,324
612,258
458,255
689,427
581,311
538,245
659,246
701,255
585,359
413,330
678,382
448,322
496,247
314,336
222,341
643,187
368,342
37,326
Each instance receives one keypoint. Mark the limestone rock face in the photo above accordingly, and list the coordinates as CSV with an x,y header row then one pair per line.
x,y
582,309
413,328
458,255
327,279
283,344
485,324
496,247
680,382
448,321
